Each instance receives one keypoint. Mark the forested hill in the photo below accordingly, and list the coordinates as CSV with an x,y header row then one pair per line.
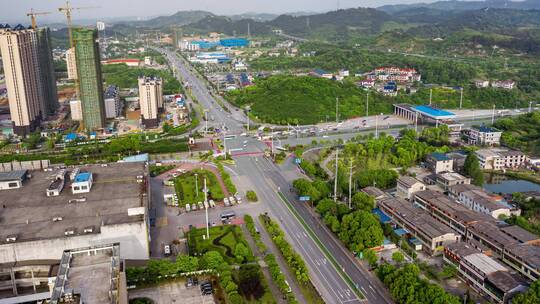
x,y
485,20
464,5
366,19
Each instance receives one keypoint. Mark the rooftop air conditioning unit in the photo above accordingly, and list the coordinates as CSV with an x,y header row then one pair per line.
x,y
69,232
57,219
11,238
88,229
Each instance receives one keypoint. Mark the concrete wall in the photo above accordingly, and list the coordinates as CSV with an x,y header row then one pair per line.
x,y
25,165
133,239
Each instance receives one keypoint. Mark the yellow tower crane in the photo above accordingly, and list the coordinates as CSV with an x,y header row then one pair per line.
x,y
32,14
67,10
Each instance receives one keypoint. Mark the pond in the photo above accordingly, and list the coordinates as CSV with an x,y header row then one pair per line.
x,y
501,184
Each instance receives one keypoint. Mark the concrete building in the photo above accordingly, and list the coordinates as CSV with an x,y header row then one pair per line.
x,y
448,179
100,263
76,110
12,179
150,100
37,228
82,183
439,162
515,246
377,193
478,200
89,78
46,65
20,52
482,273
407,186
71,64
458,160
113,105
419,224
484,136
500,158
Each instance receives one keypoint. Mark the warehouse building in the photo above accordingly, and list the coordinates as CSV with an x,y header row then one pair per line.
x,y
482,273
37,227
12,179
419,224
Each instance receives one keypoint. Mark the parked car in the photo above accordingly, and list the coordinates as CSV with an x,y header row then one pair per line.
x,y
167,250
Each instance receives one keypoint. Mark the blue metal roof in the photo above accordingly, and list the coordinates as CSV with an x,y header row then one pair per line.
x,y
383,218
485,129
234,42
401,231
83,177
440,156
136,158
70,136
433,112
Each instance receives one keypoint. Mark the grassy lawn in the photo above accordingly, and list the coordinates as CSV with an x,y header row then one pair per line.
x,y
186,188
222,239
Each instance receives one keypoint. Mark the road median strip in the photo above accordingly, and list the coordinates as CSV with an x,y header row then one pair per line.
x,y
313,236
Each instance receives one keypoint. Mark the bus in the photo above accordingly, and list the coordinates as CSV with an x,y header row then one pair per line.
x,y
227,216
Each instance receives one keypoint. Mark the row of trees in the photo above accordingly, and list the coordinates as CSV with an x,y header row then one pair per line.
x,y
275,271
226,177
406,286
294,260
521,132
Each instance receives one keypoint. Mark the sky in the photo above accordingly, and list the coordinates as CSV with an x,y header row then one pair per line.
x,y
15,10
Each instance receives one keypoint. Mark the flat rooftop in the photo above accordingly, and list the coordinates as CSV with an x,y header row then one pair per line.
x,y
434,112
452,176
28,213
484,263
90,276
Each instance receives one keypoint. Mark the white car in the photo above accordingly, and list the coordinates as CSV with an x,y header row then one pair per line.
x,y
201,206
212,203
193,206
167,250
188,208
226,202
238,199
231,199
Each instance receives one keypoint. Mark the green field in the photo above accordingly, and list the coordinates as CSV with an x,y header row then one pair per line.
x,y
223,239
186,188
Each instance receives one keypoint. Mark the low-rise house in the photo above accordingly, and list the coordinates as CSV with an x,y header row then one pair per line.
x,y
482,273
481,83
407,186
419,224
478,200
504,84
458,160
448,179
499,158
377,193
439,162
12,179
484,136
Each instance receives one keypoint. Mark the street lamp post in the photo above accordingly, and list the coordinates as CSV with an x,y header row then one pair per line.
x,y
196,184
206,209
530,106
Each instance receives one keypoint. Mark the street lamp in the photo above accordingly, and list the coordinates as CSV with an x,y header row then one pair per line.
x,y
206,209
196,185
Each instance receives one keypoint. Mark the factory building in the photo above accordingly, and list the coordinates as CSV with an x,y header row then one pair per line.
x,y
36,227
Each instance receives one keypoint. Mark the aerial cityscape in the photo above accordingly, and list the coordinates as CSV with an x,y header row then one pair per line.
x,y
229,152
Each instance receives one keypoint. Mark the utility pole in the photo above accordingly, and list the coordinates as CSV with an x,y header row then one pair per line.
x,y
493,115
376,126
336,176
430,95
197,184
225,143
206,209
530,106
367,105
337,109
461,99
416,123
350,183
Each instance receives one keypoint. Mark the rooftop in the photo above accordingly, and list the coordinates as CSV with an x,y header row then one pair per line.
x,y
12,175
417,217
439,156
374,191
503,280
28,212
484,263
530,254
83,177
451,176
520,234
485,129
408,181
434,112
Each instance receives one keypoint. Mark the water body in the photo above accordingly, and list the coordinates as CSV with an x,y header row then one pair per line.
x,y
502,184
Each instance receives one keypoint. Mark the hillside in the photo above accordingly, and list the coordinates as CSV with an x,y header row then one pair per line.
x,y
229,26
522,132
463,5
178,19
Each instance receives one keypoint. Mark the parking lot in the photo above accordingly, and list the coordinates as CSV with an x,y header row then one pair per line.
x,y
174,292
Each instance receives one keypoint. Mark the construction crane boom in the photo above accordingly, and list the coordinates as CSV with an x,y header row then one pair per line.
x,y
67,10
32,14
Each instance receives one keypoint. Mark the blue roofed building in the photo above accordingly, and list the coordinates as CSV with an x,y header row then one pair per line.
x,y
82,183
234,42
439,162
70,137
484,136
